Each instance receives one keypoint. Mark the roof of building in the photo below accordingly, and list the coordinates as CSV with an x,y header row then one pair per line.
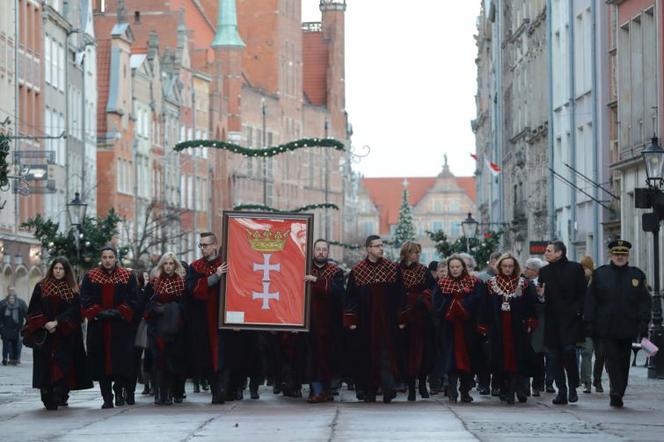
x,y
314,67
386,194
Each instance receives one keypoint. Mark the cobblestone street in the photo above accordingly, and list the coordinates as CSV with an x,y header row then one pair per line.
x,y
22,417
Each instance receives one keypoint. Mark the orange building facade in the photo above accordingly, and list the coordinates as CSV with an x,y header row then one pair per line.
x,y
246,71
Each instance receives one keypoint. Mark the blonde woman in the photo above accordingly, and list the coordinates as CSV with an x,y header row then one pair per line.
x,y
166,339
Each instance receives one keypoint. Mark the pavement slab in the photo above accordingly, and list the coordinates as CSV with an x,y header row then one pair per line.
x,y
276,419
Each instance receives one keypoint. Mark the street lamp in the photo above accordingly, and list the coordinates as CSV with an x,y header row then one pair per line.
x,y
469,229
518,245
76,211
653,197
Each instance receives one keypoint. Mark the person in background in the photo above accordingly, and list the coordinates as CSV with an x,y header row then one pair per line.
x,y
490,269
12,318
531,271
585,349
433,268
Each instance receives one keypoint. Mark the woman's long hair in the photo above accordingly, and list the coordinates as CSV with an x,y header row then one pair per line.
x,y
69,272
179,270
517,267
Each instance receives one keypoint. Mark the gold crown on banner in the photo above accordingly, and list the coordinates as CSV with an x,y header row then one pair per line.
x,y
267,241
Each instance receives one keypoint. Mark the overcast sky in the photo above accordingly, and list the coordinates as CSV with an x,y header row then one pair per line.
x,y
410,83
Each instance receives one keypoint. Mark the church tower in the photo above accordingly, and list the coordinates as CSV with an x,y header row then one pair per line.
x,y
333,14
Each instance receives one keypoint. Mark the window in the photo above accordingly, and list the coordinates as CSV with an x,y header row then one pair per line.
x,y
47,59
437,225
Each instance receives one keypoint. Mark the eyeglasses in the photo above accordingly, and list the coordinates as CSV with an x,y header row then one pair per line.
x,y
203,245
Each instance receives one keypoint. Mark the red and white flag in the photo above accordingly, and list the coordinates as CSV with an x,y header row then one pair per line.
x,y
493,168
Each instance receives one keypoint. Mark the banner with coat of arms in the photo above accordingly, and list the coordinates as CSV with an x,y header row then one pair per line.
x,y
268,256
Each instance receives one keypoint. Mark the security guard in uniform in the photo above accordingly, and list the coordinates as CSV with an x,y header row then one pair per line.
x,y
617,310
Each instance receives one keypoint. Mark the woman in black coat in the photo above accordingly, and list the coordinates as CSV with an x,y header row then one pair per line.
x,y
166,338
59,364
513,317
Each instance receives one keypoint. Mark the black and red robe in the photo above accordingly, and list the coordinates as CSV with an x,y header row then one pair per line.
x,y
458,302
376,303
205,352
325,335
110,342
168,351
61,360
511,350
418,283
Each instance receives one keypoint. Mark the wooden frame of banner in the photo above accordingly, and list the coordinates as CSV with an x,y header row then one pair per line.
x,y
308,218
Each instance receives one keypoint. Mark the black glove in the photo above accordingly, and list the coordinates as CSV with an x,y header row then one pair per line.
x,y
109,314
643,330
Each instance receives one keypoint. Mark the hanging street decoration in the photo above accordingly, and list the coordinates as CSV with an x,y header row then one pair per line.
x,y
267,152
260,207
4,167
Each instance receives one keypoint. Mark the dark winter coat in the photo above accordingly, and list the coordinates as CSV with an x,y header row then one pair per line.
x,y
565,288
618,303
61,360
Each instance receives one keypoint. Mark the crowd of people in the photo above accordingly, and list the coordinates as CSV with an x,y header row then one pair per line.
x,y
510,331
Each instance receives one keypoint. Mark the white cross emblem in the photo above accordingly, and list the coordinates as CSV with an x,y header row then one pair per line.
x,y
266,267
265,295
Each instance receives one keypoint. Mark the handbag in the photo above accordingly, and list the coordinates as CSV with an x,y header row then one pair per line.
x,y
141,340
33,339
168,323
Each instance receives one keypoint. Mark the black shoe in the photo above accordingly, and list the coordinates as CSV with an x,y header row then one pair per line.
x,y
239,395
522,397
131,400
107,404
573,397
509,400
424,394
452,399
616,401
560,399
177,399
587,388
197,387
219,397
536,393
466,398
598,386
254,393
388,395
484,391
146,389
4,362
495,392
276,389
369,398
359,394
550,389
411,391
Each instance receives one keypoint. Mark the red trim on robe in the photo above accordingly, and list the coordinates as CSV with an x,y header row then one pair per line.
x,y
460,350
107,298
509,357
126,312
35,322
92,311
201,291
349,319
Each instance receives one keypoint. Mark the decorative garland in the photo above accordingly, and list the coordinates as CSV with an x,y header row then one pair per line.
x,y
267,152
4,167
298,210
344,245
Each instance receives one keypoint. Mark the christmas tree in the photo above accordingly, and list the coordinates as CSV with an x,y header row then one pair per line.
x,y
405,230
